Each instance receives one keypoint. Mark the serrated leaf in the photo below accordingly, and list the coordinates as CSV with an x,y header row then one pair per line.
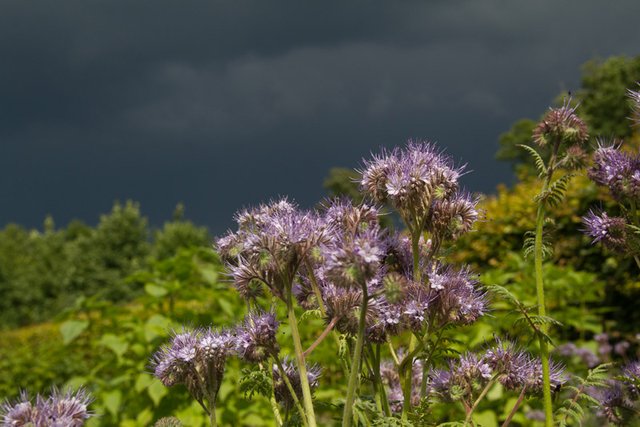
x,y
542,169
71,329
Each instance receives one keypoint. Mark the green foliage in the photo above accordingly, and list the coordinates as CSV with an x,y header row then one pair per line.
x,y
603,95
44,273
572,410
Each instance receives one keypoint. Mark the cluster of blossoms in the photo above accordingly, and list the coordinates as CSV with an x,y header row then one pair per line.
x,y
561,126
368,282
618,171
504,363
197,358
60,409
421,183
271,243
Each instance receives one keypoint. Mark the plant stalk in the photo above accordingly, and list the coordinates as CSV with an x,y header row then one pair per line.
x,y
355,364
538,255
302,367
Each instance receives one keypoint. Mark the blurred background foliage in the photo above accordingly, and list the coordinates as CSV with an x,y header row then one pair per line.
x,y
86,305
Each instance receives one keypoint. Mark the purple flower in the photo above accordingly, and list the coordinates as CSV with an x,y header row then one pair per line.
x,y
455,296
561,125
271,243
281,391
611,231
60,409
354,259
194,358
617,170
256,339
411,179
510,363
450,218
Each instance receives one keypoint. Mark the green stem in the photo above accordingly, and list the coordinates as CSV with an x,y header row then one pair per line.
x,y
302,367
379,386
544,349
294,396
274,402
515,407
355,364
407,382
484,392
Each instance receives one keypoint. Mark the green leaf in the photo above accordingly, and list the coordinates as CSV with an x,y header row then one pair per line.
x,y
542,169
155,290
156,326
114,343
71,329
143,381
209,275
112,401
156,392
226,307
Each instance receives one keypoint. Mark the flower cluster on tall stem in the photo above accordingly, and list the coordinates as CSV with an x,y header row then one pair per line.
x,y
421,183
564,133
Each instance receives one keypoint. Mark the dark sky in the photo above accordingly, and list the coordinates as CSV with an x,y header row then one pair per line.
x,y
226,104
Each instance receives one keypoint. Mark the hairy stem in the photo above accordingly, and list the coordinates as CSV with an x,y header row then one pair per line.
x,y
272,400
515,408
355,364
408,372
484,392
302,368
538,255
294,396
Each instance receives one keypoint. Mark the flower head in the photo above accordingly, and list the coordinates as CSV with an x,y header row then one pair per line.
x,y
59,409
611,231
618,171
271,243
256,339
561,125
194,358
411,179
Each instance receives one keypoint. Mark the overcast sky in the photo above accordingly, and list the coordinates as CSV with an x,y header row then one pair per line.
x,y
227,104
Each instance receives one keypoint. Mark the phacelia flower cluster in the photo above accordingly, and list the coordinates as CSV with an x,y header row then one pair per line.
x,y
271,243
504,362
561,126
60,409
617,170
419,181
195,359
611,231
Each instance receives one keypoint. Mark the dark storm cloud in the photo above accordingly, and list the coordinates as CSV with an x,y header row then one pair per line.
x,y
221,104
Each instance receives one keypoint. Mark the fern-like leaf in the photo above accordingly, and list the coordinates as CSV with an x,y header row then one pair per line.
x,y
556,191
542,168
